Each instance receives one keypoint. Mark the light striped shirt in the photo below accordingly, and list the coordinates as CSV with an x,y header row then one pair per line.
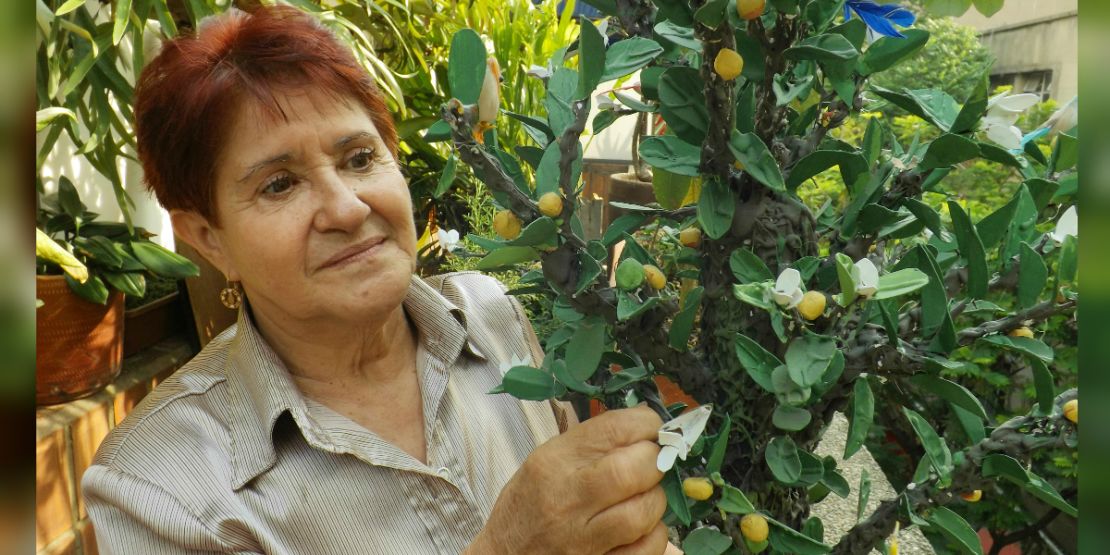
x,y
228,456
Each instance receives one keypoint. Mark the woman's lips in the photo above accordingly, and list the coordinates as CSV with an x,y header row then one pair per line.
x,y
353,254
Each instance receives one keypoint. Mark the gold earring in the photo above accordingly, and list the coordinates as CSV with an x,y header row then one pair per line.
x,y
230,296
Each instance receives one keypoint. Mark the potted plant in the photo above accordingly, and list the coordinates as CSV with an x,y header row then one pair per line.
x,y
84,268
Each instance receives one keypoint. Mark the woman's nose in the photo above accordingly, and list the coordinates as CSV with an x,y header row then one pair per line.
x,y
341,207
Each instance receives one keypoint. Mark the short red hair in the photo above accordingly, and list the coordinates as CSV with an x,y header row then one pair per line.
x,y
186,96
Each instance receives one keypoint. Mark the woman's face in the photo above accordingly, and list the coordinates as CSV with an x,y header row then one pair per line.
x,y
315,216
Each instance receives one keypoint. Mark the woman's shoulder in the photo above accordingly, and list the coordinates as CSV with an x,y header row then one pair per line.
x,y
186,410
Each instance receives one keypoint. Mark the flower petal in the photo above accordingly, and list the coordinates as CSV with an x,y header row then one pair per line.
x,y
788,282
1006,136
867,277
1068,224
665,460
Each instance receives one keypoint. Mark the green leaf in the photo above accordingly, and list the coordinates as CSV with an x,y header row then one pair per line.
x,y
584,350
935,447
757,361
925,214
900,283
716,207
163,262
69,6
560,88
972,425
587,272
829,47
1011,469
1065,154
864,493
988,7
683,323
971,247
670,189
748,267
591,59
734,501
749,149
1068,259
863,413
888,51
629,55
104,251
808,357
630,307
956,529
952,392
783,460
999,155
705,541
93,290
755,294
438,131
547,172
1044,383
507,256
1032,276
466,66
791,419
131,283
671,153
46,116
536,128
623,378
1025,345
844,275
852,164
682,104
785,539
676,500
948,150
933,106
121,13
68,199
717,453
621,226
833,479
993,227
539,231
447,177
528,383
677,32
572,382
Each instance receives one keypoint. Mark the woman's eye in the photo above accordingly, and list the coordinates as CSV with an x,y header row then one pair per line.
x,y
278,185
362,160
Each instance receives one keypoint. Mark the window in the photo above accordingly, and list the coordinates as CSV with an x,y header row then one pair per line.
x,y
1038,82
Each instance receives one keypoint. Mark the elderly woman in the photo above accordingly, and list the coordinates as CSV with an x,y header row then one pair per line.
x,y
346,411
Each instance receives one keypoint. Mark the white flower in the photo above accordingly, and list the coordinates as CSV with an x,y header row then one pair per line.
x,y
866,276
1002,112
1068,224
603,102
448,240
504,367
677,436
539,72
788,288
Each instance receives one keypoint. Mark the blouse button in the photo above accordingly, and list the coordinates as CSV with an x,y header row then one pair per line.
x,y
444,473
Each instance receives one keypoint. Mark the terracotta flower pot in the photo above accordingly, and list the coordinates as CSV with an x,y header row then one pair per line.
x,y
78,344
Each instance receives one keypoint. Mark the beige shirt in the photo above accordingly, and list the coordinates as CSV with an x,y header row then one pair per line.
x,y
228,456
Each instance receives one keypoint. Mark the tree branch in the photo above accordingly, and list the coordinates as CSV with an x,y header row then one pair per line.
x,y
1002,325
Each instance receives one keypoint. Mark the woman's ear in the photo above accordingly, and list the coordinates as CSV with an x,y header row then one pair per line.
x,y
200,234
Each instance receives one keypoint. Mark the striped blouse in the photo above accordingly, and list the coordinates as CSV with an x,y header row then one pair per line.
x,y
228,456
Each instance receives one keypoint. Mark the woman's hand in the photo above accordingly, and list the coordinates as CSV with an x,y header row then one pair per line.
x,y
592,490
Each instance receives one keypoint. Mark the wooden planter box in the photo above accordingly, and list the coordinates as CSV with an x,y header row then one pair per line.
x,y
154,321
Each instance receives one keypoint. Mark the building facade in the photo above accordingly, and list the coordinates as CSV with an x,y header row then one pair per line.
x,y
1035,44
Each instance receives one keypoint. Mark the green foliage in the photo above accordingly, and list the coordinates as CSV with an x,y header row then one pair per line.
x,y
887,215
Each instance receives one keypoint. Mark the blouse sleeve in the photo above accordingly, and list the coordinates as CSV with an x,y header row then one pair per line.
x,y
133,515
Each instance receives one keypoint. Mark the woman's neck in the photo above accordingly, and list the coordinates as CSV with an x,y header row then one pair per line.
x,y
339,355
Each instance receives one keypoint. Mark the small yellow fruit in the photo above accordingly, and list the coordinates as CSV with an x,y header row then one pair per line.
x,y
750,9
506,225
551,205
728,64
1021,332
1071,411
812,305
691,237
972,496
698,489
754,527
655,277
